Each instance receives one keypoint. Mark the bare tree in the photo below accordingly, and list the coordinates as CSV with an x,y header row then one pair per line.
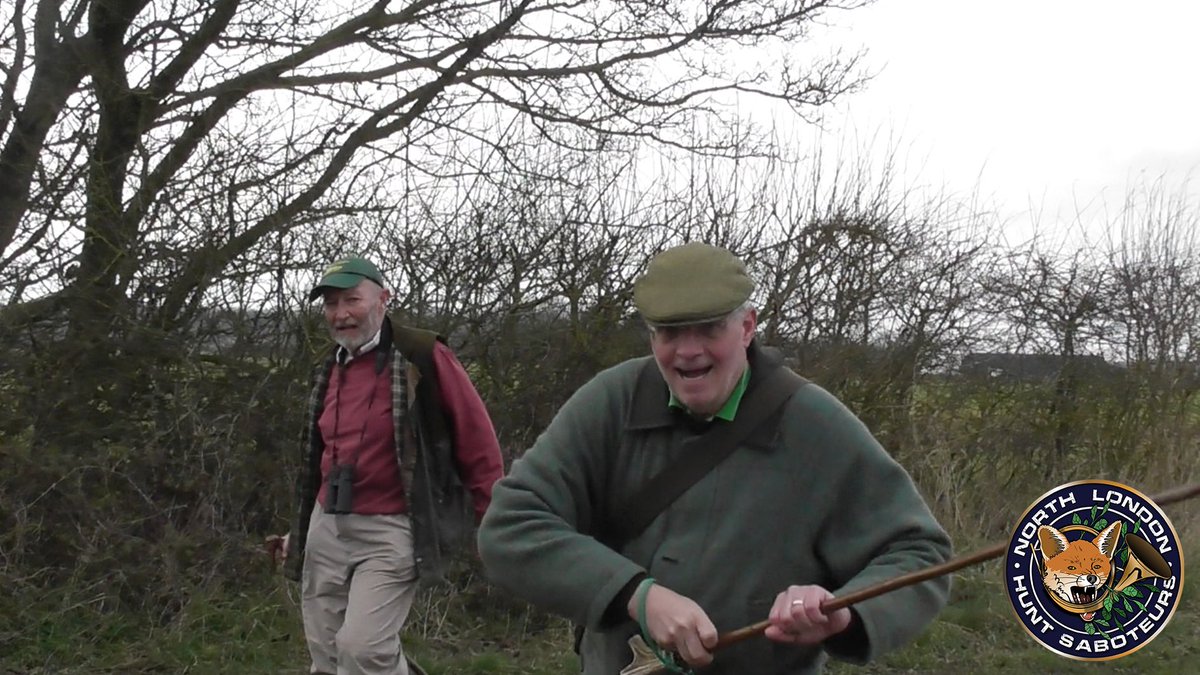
x,y
1055,304
148,149
1154,253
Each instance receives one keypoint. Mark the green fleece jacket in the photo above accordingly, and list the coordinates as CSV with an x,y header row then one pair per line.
x,y
809,498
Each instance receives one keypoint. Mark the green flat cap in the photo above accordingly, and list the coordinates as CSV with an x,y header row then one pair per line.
x,y
692,283
346,273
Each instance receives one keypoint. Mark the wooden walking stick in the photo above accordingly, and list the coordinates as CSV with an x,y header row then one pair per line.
x,y
646,663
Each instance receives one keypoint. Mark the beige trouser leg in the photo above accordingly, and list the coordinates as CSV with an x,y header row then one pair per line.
x,y
358,585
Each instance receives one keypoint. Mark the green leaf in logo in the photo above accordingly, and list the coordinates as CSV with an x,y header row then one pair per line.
x,y
1108,602
1093,514
1101,524
1126,603
1090,628
1137,525
1150,589
1124,555
1133,592
1075,519
1105,509
1140,605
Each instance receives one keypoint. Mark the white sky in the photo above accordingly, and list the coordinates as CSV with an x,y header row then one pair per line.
x,y
1057,105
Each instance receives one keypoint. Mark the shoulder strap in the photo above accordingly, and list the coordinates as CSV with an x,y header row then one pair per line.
x,y
665,487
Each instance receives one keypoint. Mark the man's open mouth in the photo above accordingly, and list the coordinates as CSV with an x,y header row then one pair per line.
x,y
1083,595
693,373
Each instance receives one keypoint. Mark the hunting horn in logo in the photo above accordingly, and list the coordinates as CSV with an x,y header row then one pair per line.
x,y
1144,562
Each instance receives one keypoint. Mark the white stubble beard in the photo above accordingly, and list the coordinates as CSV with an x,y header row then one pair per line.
x,y
365,332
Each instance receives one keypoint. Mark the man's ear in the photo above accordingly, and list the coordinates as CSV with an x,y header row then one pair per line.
x,y
749,325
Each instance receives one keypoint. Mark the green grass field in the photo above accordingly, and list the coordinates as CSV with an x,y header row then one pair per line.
x,y
475,631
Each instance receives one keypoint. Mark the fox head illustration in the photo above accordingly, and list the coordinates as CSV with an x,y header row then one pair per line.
x,y
1077,571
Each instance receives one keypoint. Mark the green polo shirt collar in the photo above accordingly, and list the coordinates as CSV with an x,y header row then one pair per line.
x,y
729,410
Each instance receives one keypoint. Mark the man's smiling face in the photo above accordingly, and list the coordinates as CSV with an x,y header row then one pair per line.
x,y
703,362
354,315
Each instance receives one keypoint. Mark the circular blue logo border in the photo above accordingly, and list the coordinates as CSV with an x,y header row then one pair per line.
x,y
1131,603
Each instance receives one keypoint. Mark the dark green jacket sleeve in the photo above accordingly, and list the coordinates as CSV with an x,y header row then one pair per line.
x,y
535,528
879,528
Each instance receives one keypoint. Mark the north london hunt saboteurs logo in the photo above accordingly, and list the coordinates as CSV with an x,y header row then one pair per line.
x,y
1094,570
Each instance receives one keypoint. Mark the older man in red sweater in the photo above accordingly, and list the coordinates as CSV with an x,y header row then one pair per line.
x,y
400,454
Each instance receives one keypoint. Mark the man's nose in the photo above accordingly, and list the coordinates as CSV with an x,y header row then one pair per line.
x,y
690,342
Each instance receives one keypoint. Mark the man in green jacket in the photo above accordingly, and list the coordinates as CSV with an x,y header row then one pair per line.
x,y
808,507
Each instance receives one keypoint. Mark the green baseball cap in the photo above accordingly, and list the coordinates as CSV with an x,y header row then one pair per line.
x,y
346,273
692,283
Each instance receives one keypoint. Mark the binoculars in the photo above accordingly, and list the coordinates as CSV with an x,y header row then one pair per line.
x,y
341,489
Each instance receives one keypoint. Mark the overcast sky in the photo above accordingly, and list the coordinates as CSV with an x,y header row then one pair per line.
x,y
1046,104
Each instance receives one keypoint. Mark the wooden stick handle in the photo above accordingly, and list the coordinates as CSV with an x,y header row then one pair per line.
x,y
735,636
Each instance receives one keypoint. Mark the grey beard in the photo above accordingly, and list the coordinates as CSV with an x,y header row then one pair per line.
x,y
351,345
348,344
366,332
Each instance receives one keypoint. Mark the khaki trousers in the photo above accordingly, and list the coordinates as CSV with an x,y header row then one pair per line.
x,y
358,583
